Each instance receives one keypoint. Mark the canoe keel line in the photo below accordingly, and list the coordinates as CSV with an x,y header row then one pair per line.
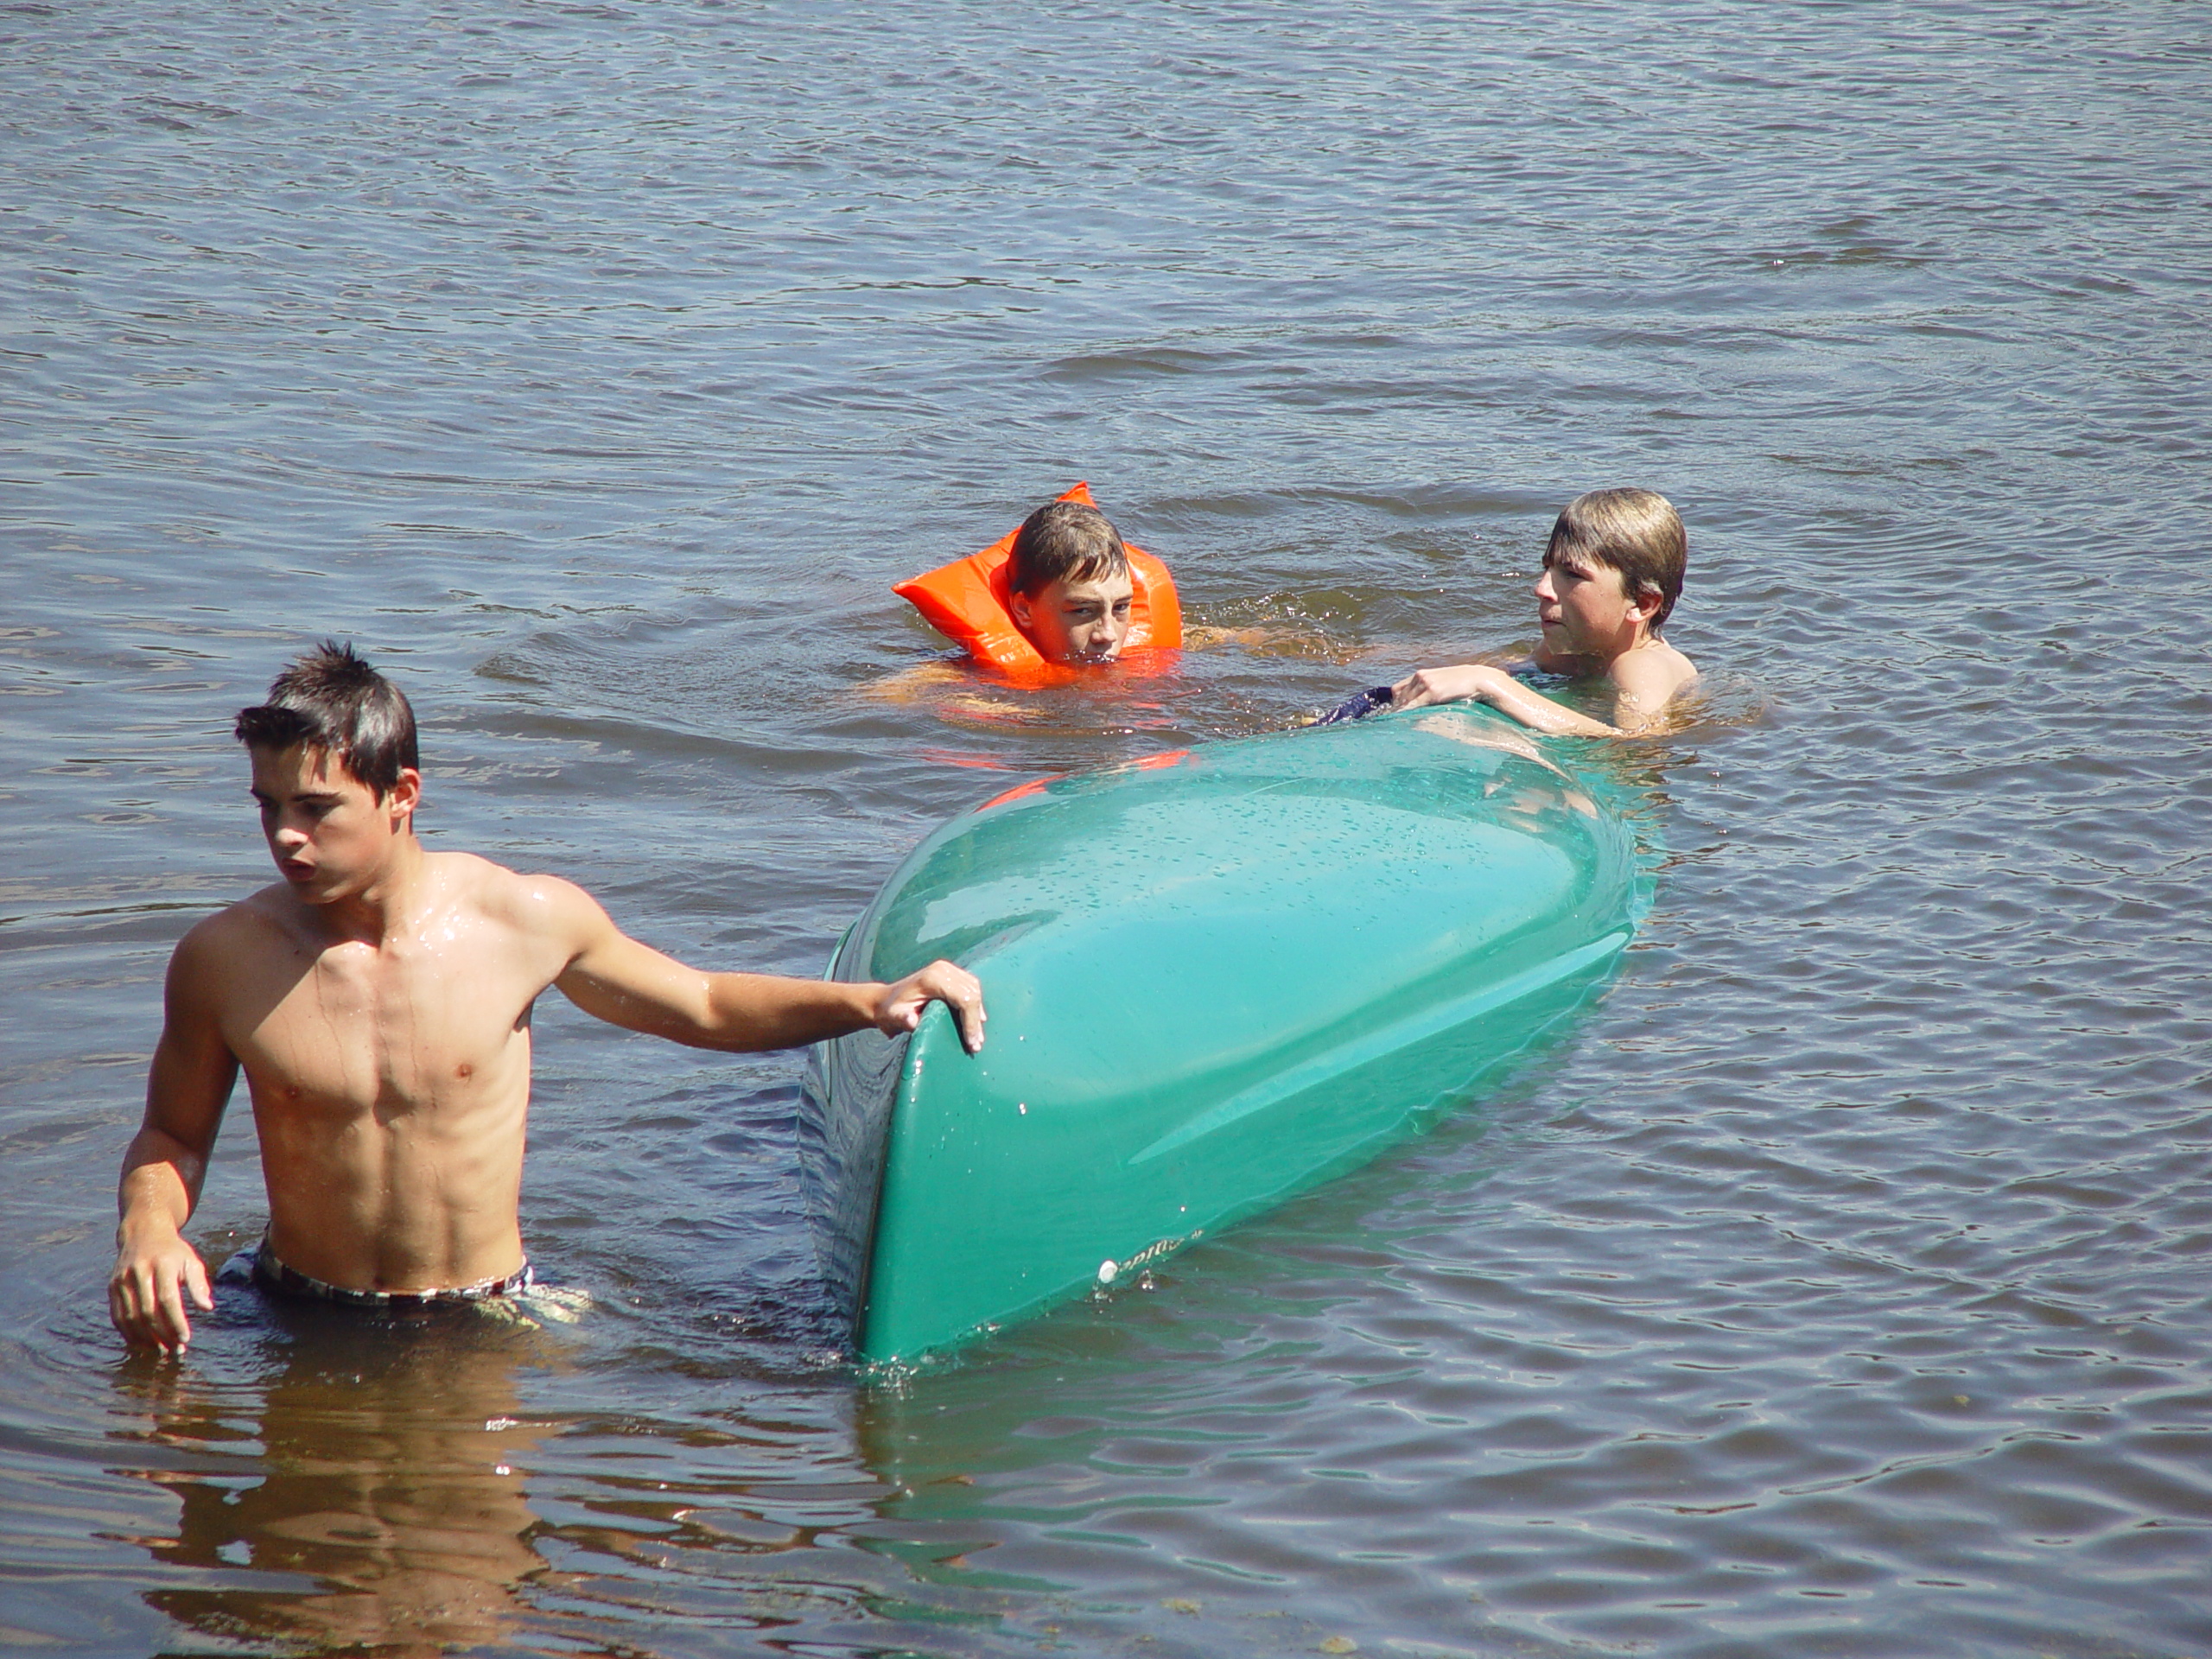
x,y
1212,983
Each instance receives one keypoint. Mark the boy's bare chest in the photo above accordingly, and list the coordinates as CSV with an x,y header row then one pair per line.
x,y
393,1028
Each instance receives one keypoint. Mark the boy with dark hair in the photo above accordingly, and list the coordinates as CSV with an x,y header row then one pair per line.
x,y
378,1000
1068,584
334,700
1612,571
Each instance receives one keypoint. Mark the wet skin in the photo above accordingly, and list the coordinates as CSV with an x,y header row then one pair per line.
x,y
378,1002
1592,627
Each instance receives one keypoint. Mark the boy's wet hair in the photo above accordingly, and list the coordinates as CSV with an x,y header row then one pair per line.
x,y
1636,532
332,699
1064,540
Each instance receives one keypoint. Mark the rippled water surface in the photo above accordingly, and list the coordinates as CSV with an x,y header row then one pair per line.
x,y
1839,1285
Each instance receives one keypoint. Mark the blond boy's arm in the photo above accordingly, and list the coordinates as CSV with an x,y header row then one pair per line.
x,y
1480,682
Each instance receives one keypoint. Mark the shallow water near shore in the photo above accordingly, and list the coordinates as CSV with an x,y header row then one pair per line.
x,y
1836,1284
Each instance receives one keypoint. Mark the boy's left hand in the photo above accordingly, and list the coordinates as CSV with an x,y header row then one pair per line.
x,y
898,1007
1468,681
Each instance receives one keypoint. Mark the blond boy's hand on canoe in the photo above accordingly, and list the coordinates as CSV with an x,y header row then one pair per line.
x,y
1458,683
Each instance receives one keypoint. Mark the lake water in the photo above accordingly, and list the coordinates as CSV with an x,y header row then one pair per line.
x,y
1841,1284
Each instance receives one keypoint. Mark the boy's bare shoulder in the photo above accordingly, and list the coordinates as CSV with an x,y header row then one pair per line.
x,y
533,901
1649,679
258,919
239,945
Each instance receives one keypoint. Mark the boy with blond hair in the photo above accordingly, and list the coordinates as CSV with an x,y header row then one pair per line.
x,y
1613,572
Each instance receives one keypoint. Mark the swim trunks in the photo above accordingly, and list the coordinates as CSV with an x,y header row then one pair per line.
x,y
1377,698
1359,706
262,1265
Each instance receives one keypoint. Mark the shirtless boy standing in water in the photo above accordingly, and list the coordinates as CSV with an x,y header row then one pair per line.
x,y
1612,571
378,1000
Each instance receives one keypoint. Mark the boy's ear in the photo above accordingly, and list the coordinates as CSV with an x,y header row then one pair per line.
x,y
1017,604
407,793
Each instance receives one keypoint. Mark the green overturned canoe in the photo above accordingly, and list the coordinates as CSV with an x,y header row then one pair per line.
x,y
1214,978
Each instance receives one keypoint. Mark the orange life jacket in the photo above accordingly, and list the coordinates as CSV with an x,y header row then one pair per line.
x,y
968,601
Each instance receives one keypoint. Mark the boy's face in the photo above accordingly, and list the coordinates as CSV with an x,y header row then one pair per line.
x,y
330,834
1585,609
1079,621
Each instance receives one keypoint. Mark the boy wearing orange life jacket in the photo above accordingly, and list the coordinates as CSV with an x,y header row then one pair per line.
x,y
1068,586
1059,593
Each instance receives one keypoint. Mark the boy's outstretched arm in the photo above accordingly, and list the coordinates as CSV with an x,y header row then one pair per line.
x,y
1479,682
632,985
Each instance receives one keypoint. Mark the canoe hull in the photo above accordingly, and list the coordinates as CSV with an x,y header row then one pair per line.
x,y
1214,979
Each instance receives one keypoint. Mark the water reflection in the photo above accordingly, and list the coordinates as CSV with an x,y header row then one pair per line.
x,y
372,1480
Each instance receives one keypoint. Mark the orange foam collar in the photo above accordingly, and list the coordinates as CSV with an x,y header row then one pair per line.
x,y
967,601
